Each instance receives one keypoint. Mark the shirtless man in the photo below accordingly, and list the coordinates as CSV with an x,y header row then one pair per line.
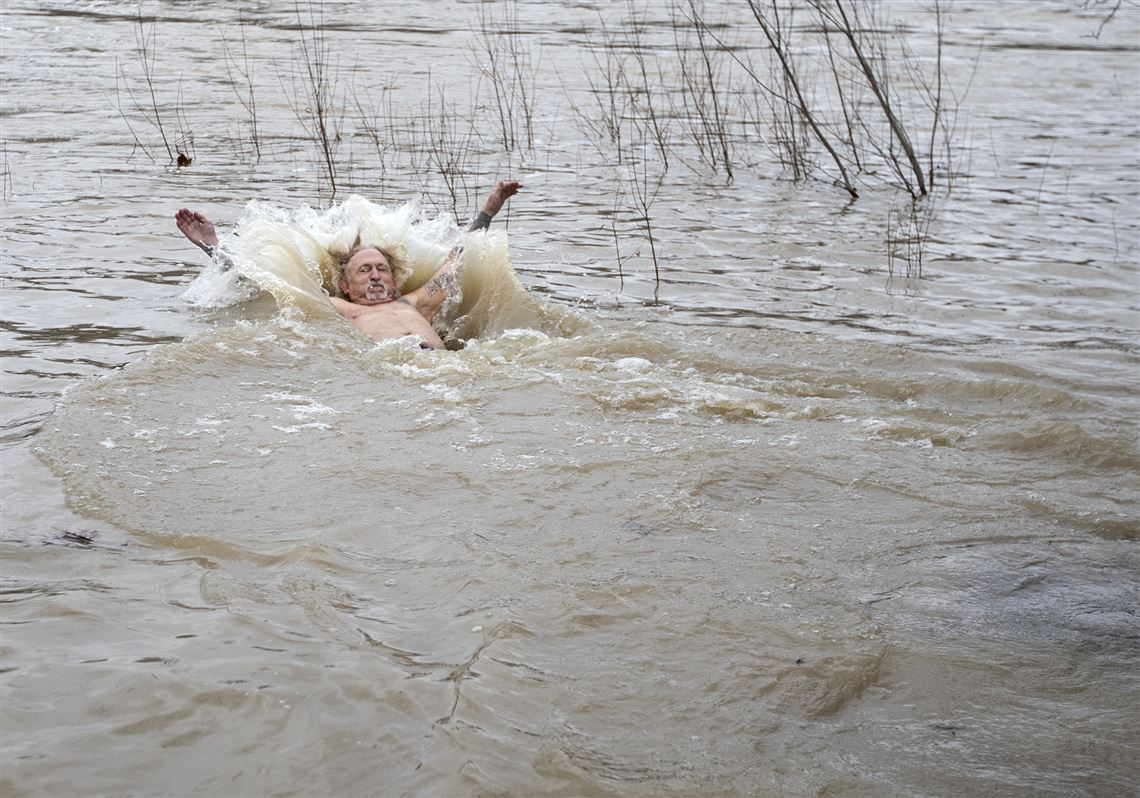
x,y
373,302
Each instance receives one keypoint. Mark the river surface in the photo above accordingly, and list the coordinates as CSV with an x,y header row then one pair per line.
x,y
802,526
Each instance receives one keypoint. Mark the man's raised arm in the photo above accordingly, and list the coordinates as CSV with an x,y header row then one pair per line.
x,y
428,298
503,191
202,234
198,229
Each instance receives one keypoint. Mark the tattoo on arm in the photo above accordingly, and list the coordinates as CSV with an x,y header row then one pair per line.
x,y
480,222
445,281
435,285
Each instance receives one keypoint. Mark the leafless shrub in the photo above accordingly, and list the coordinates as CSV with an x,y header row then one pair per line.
x,y
619,198
629,121
450,151
944,102
644,84
148,109
704,89
239,70
1113,7
602,120
321,107
377,123
184,144
851,135
7,190
506,61
432,151
866,44
850,101
145,50
907,236
645,180
794,97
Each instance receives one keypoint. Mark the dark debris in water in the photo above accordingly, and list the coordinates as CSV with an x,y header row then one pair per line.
x,y
85,538
636,526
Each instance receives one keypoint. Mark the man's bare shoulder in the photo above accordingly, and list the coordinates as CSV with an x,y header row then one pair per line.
x,y
340,304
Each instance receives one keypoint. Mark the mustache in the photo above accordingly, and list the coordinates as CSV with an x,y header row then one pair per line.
x,y
378,290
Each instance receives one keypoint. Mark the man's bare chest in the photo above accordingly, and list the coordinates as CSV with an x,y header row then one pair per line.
x,y
397,309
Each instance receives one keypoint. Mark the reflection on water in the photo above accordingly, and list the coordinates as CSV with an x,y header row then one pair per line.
x,y
800,529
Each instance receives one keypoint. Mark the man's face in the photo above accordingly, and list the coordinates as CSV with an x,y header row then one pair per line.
x,y
368,279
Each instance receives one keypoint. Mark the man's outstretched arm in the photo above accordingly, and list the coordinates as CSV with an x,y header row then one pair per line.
x,y
202,234
428,298
503,191
198,229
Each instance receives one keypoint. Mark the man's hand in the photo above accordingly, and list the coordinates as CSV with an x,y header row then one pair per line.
x,y
199,229
503,191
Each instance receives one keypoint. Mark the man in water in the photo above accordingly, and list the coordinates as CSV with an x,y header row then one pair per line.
x,y
373,302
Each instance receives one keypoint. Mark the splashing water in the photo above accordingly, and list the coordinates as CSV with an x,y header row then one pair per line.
x,y
294,256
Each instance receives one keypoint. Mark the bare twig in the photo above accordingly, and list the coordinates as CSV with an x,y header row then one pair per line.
x,y
716,125
144,47
618,197
643,91
907,233
148,109
504,58
378,128
184,144
848,27
322,111
1116,6
450,150
119,73
780,48
244,93
645,183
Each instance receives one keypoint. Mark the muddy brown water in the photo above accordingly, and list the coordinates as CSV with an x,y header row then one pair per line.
x,y
802,528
